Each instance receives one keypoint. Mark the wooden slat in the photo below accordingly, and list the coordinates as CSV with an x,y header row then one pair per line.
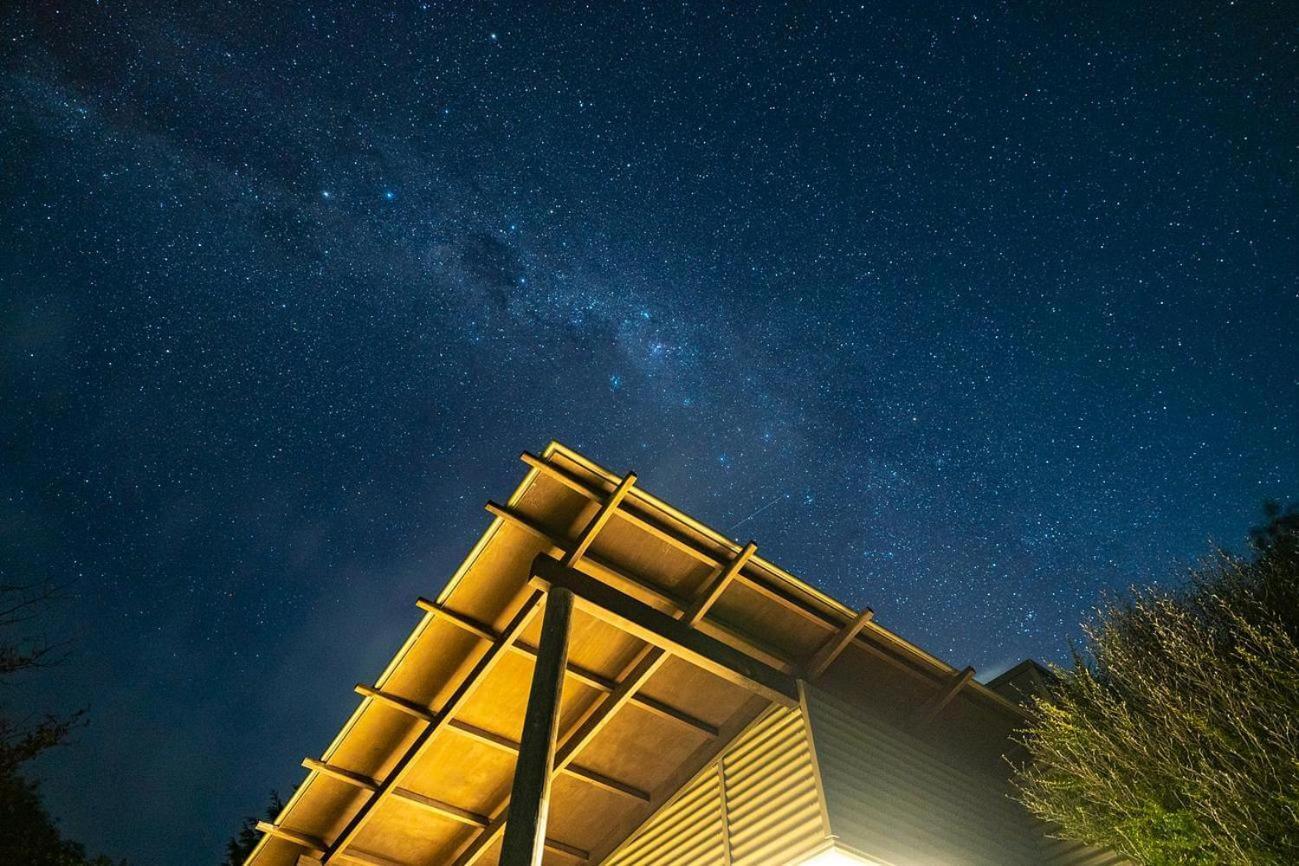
x,y
524,840
313,845
390,700
661,630
468,686
836,644
602,517
459,620
718,586
437,807
342,775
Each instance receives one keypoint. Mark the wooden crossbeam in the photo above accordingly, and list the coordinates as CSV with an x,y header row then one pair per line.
x,y
935,705
659,629
718,586
640,670
468,686
334,771
880,642
312,845
396,703
579,673
577,772
836,644
607,510
654,596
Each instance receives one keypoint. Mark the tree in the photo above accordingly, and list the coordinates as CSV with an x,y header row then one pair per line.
x,y
239,846
1173,738
30,835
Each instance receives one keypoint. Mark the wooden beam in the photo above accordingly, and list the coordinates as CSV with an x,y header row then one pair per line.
x,y
638,673
718,586
459,620
582,675
935,705
437,807
524,842
580,773
658,629
336,772
400,704
879,641
313,845
602,516
836,644
649,594
475,678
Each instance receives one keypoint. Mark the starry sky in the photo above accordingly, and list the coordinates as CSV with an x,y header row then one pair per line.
x,y
971,312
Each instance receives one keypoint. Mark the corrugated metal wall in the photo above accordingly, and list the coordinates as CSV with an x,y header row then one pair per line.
x,y
758,804
892,797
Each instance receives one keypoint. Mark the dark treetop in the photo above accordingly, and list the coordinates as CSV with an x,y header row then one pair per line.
x,y
966,312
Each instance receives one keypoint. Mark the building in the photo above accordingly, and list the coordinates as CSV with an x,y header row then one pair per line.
x,y
605,680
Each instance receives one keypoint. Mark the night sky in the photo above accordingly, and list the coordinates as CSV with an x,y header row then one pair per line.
x,y
970,313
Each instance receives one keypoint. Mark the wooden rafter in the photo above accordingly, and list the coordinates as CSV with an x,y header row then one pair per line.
x,y
641,668
836,644
582,675
468,686
312,845
601,518
661,630
880,642
654,596
935,705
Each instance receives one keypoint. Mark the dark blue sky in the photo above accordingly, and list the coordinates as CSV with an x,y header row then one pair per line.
x,y
966,312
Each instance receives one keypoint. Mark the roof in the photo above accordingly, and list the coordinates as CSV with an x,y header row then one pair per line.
x,y
421,772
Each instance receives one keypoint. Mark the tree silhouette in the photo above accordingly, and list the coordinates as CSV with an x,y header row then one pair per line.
x,y
30,836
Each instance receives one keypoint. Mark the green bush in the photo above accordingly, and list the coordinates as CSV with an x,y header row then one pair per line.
x,y
1174,736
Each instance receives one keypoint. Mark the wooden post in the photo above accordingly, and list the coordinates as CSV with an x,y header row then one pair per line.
x,y
525,834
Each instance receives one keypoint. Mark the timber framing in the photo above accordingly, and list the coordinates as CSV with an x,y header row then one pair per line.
x,y
677,635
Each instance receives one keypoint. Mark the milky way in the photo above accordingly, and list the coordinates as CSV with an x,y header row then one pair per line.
x,y
970,314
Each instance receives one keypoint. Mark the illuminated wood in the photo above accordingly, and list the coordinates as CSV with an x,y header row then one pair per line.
x,y
525,836
589,678
342,775
653,596
396,703
718,586
633,546
661,630
313,845
642,668
459,620
837,643
466,689
879,641
601,518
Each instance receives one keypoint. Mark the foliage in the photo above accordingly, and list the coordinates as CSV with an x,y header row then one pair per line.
x,y
239,846
30,835
1174,738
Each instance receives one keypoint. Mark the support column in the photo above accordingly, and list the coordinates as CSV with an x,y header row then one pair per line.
x,y
525,833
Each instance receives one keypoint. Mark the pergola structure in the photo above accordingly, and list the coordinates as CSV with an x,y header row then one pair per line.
x,y
606,680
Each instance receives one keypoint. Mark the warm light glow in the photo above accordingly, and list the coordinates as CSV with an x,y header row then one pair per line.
x,y
837,857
